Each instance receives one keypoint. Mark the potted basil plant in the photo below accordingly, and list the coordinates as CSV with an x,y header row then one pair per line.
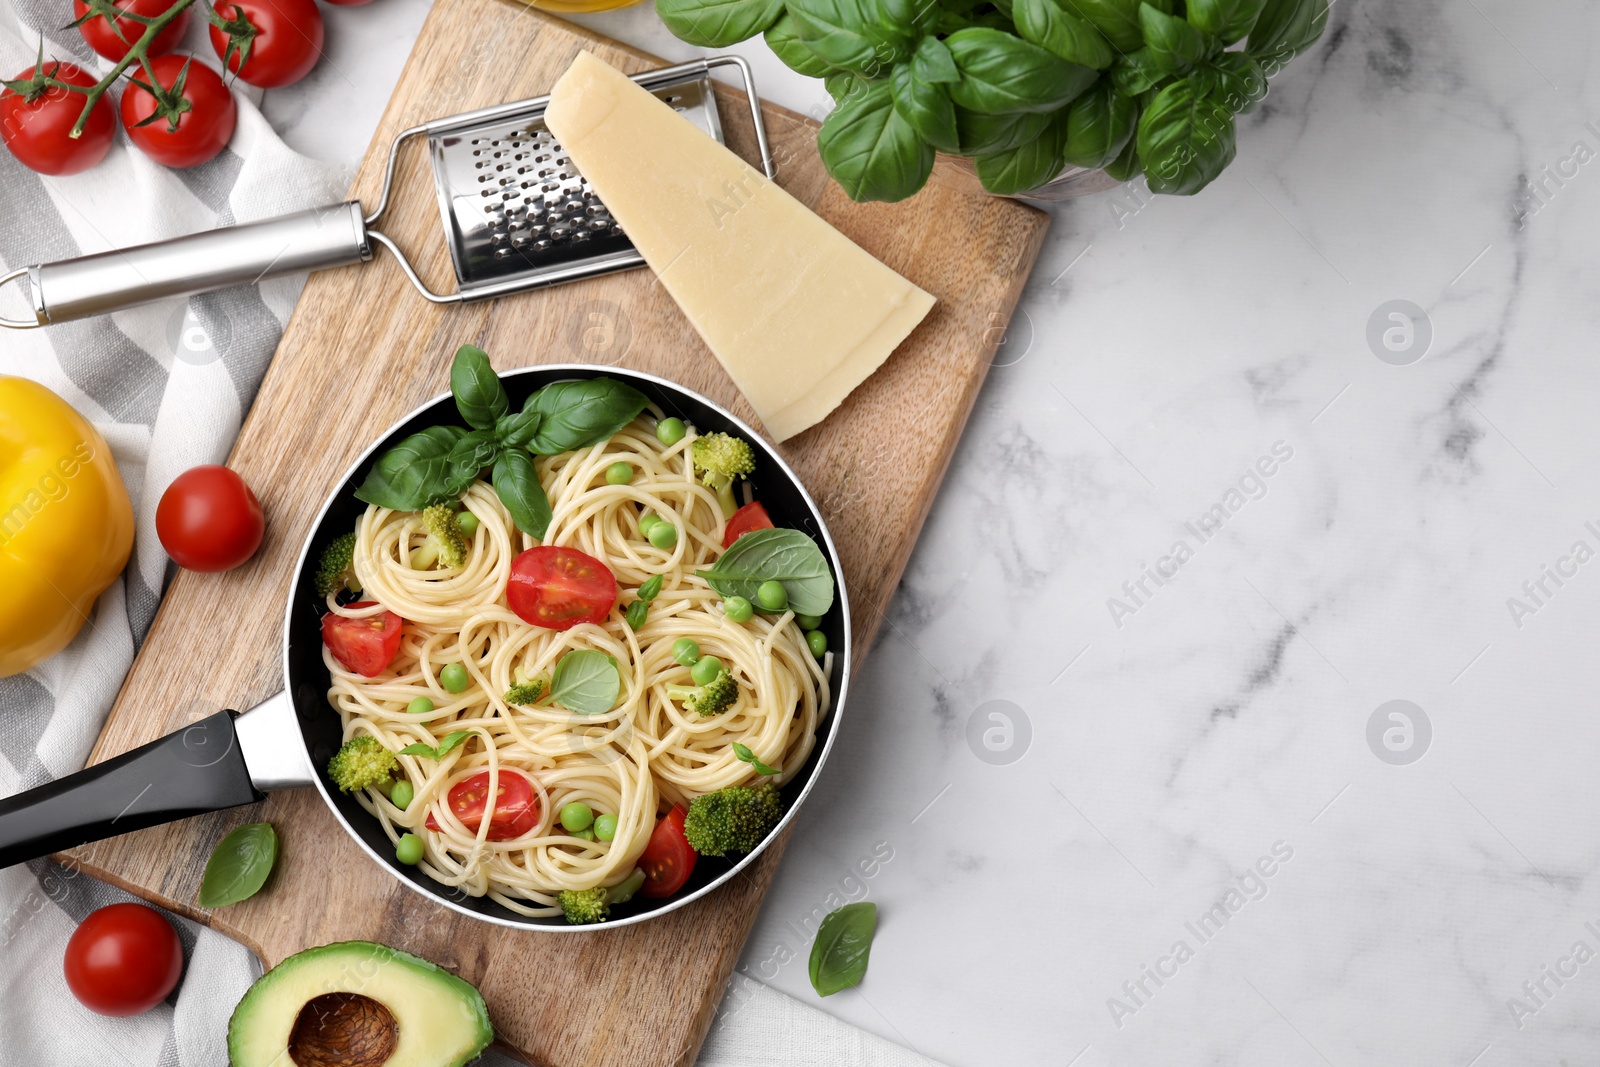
x,y
1024,90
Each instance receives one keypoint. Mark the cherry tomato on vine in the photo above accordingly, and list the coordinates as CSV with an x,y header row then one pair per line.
x,y
208,519
203,128
36,121
286,44
104,38
123,959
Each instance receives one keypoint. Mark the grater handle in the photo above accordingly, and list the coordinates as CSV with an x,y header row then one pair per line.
x,y
235,255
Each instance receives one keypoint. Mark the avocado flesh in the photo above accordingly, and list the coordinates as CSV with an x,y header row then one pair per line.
x,y
442,1019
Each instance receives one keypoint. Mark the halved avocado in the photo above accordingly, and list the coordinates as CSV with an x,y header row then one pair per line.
x,y
358,1004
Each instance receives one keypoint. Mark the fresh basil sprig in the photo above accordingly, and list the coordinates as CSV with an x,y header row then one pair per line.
x,y
844,943
743,752
440,463
586,681
780,555
451,742
998,81
239,865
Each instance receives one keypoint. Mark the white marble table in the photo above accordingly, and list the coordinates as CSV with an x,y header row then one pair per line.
x,y
1423,536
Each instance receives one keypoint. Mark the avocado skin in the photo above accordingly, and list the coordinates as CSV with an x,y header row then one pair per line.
x,y
295,974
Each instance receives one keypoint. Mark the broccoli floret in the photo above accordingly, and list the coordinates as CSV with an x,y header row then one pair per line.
x,y
338,566
712,699
735,819
445,544
528,693
720,459
594,905
363,763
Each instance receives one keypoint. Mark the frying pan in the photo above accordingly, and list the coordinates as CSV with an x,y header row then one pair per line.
x,y
229,759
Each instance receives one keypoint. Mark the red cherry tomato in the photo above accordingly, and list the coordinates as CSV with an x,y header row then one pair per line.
x,y
366,645
287,44
668,860
749,518
203,130
38,129
123,959
558,588
103,35
208,519
516,807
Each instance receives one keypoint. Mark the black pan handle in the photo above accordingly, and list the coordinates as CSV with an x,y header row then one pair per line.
x,y
198,769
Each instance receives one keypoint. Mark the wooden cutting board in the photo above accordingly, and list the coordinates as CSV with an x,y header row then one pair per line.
x,y
362,349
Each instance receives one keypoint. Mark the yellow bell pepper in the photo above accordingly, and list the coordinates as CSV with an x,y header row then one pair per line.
x,y
66,524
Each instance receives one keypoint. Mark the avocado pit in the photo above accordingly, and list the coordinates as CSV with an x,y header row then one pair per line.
x,y
343,1030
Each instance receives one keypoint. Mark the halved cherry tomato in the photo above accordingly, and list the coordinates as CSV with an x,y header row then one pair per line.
x,y
516,807
365,645
749,518
668,860
558,588
112,39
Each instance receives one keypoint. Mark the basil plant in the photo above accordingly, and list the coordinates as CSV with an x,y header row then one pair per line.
x,y
1021,87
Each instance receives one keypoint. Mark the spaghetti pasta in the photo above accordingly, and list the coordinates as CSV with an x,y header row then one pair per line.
x,y
635,761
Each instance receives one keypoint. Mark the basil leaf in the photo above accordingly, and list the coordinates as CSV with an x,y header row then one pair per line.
x,y
468,457
1117,19
743,752
934,63
783,37
1027,166
239,865
717,23
863,36
1284,29
841,83
415,472
1185,140
1047,24
417,748
636,614
1127,165
586,681
871,150
451,742
1001,73
479,395
580,414
986,134
1099,125
844,942
1174,45
925,107
651,588
781,555
1236,81
1227,20
518,429
1138,71
517,484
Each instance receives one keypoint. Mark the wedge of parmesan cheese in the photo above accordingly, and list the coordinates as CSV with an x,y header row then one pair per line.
x,y
797,314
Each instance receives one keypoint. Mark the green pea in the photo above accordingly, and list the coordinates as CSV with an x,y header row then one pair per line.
x,y
647,523
808,622
670,431
420,706
401,795
817,641
605,827
663,535
705,669
772,596
738,609
619,473
467,523
408,849
454,678
686,650
577,816
586,835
